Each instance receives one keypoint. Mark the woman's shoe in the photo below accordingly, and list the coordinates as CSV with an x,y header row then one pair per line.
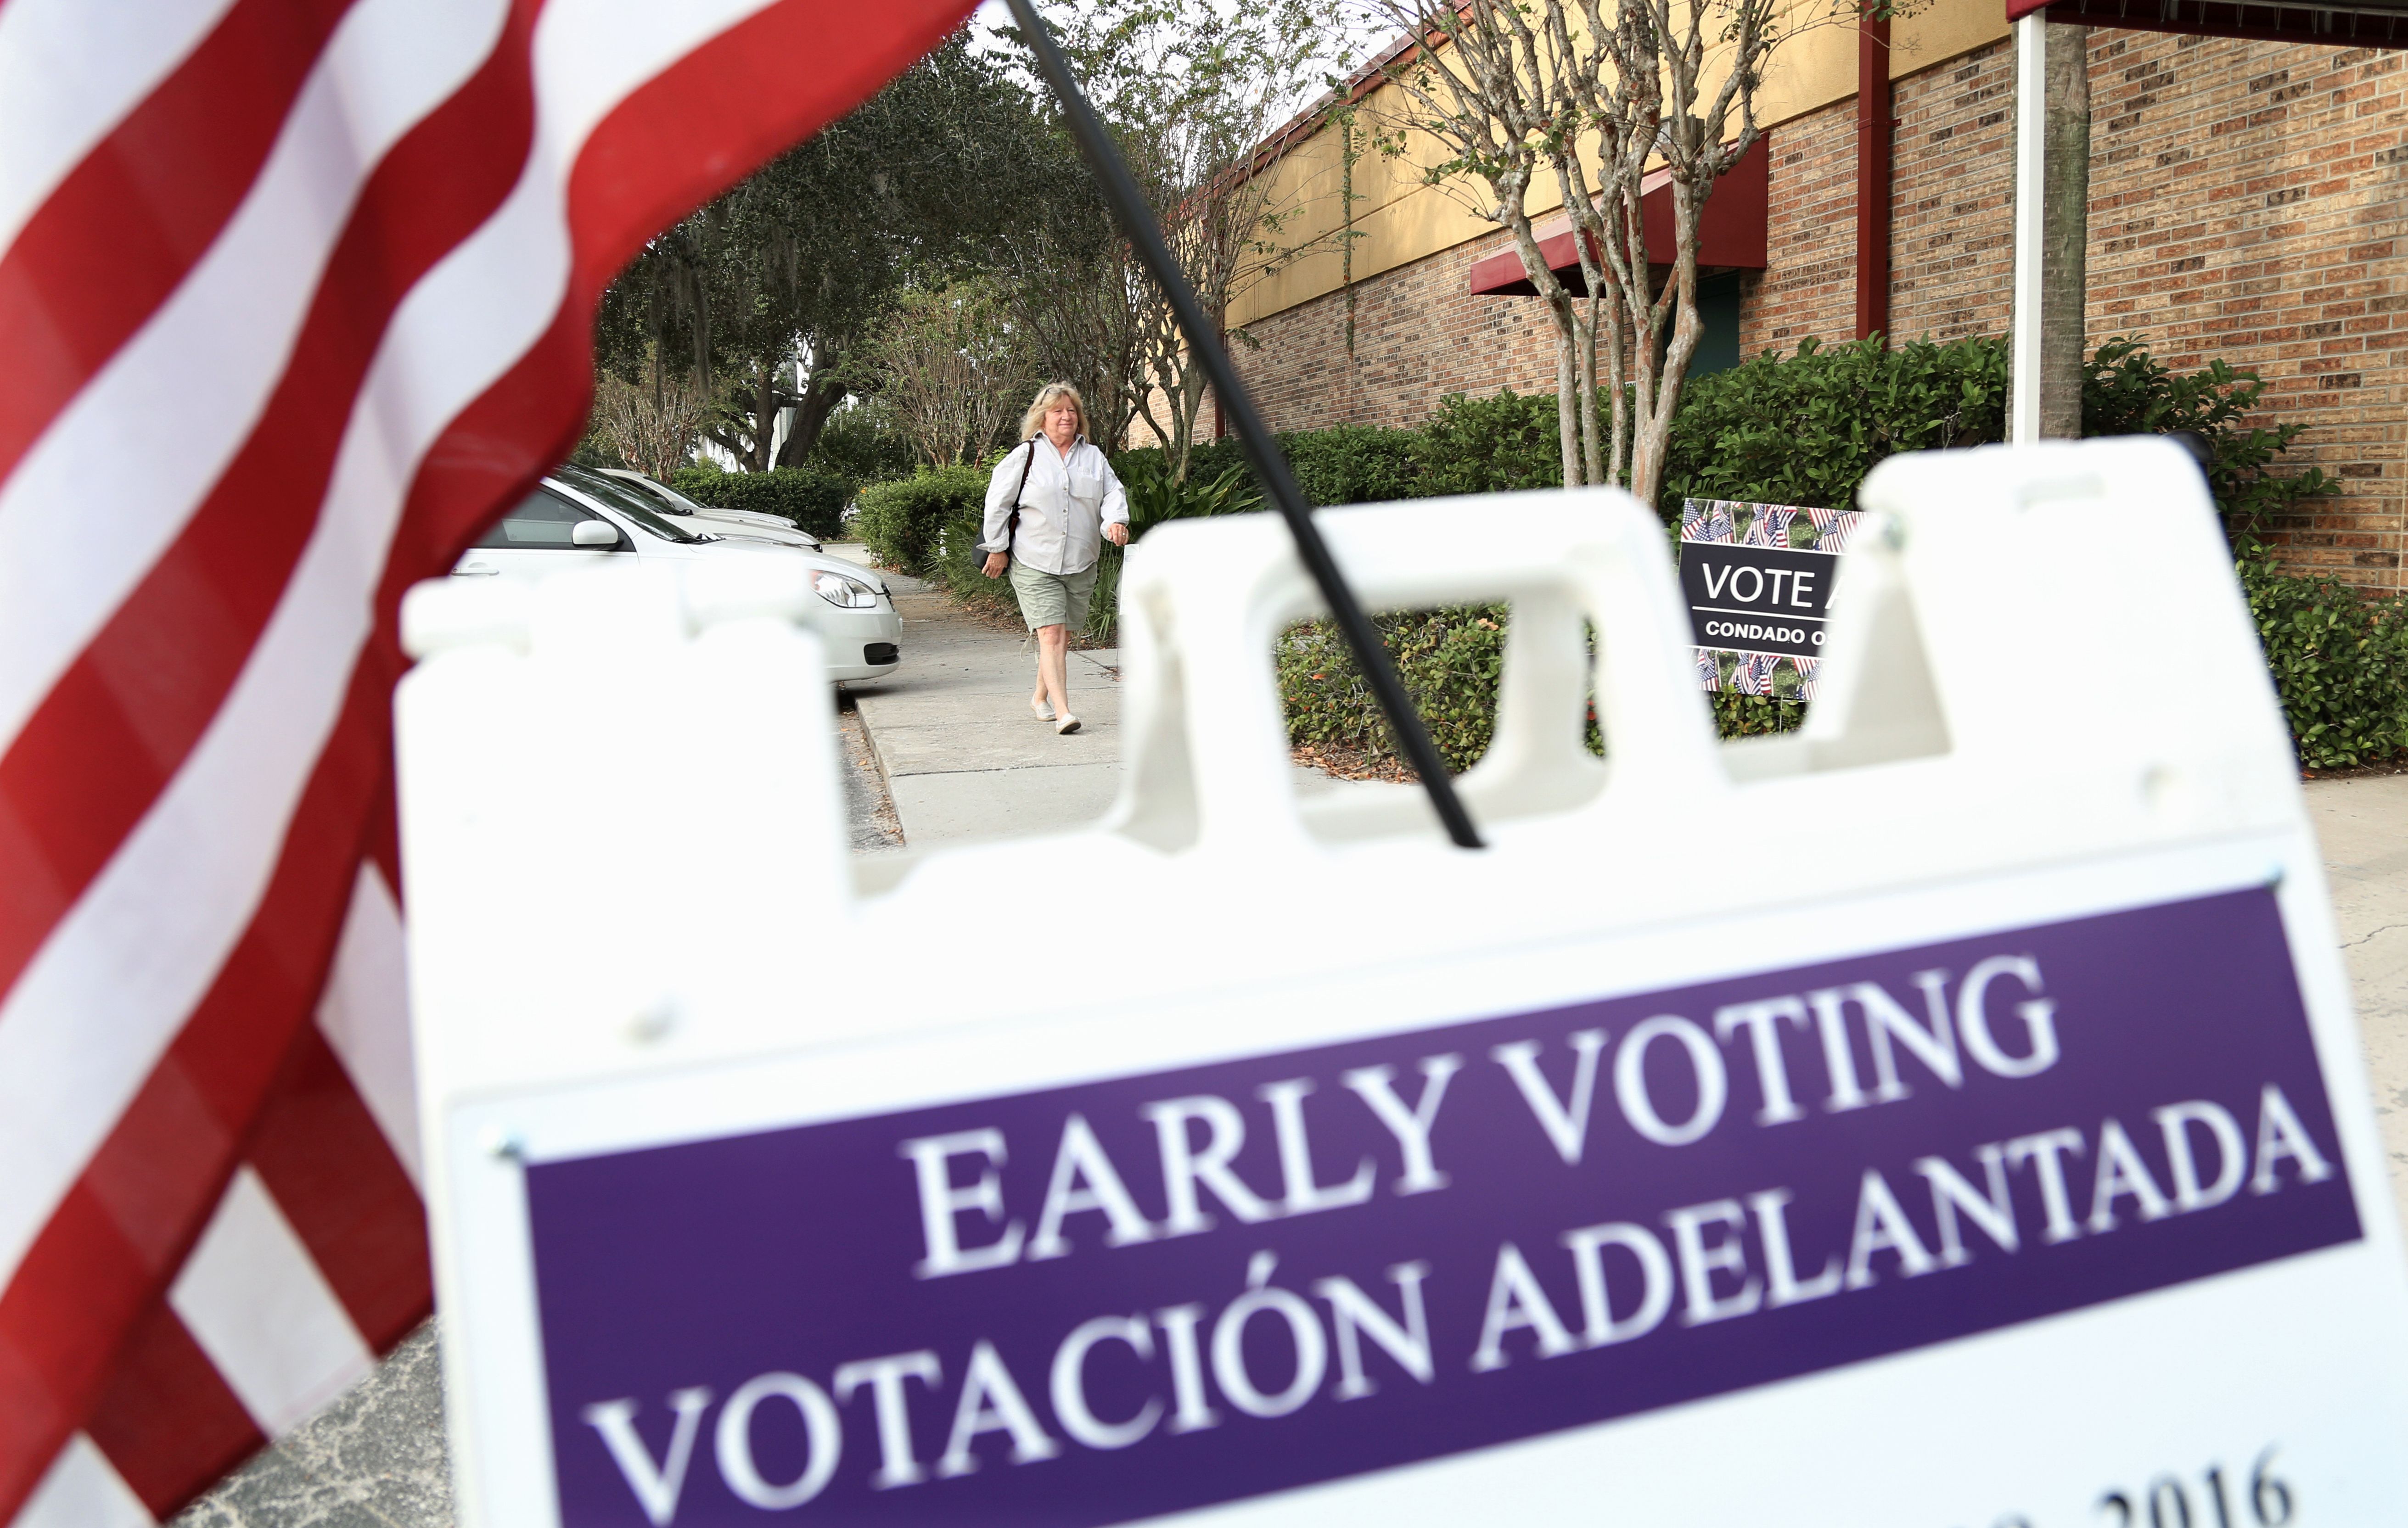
x,y
1065,727
1045,709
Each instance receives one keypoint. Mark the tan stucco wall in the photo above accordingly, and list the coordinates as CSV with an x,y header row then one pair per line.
x,y
1399,219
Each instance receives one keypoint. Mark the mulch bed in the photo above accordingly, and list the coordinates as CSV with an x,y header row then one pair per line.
x,y
1352,763
2388,767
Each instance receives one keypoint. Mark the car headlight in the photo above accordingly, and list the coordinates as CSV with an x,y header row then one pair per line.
x,y
843,593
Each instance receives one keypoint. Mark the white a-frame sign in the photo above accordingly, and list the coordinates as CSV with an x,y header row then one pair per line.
x,y
1947,1115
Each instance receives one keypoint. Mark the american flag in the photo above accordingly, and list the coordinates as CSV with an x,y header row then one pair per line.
x,y
294,295
1753,674
1832,528
1770,526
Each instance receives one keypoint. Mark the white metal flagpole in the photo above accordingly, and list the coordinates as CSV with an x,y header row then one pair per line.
x,y
2031,122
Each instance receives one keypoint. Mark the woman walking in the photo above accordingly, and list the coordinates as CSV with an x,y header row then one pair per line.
x,y
1052,504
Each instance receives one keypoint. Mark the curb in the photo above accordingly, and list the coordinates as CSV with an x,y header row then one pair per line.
x,y
869,734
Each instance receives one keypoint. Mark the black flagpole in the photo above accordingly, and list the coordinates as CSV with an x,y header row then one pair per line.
x,y
1262,450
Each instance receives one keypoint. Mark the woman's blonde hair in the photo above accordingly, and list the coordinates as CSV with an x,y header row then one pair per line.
x,y
1033,422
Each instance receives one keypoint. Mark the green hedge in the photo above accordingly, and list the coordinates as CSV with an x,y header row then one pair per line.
x,y
903,522
1449,661
958,567
812,497
1806,428
2340,663
1491,445
1468,446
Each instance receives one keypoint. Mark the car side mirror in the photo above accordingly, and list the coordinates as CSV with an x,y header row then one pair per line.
x,y
594,532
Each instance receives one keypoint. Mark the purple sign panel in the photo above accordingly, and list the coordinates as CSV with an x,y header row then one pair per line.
x,y
1099,1303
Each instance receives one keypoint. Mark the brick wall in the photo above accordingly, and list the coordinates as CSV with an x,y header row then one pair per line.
x,y
1419,334
2247,201
1952,213
1952,249
1810,285
2246,205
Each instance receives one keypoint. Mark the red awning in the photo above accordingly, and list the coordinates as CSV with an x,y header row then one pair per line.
x,y
1730,234
2365,23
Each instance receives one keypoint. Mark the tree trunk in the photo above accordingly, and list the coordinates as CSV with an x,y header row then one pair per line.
x,y
1191,405
1567,395
1617,444
764,416
1659,387
811,412
2065,231
1592,449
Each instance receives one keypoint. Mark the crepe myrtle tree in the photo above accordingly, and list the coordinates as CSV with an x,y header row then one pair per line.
x,y
1190,92
949,366
1592,95
1229,80
651,428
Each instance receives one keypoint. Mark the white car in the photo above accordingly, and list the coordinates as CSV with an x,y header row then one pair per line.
x,y
578,516
749,523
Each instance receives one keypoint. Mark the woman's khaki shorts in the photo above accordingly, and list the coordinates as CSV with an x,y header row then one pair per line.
x,y
1053,599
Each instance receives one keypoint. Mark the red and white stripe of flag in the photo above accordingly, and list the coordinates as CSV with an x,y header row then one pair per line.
x,y
294,295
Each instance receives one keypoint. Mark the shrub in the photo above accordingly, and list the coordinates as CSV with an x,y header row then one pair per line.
x,y
959,569
2340,661
1352,463
1448,659
1206,459
2126,390
1153,498
903,522
1489,445
1470,446
1806,428
812,497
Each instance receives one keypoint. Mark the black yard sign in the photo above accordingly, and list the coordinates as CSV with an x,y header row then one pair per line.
x,y
1758,599
1759,579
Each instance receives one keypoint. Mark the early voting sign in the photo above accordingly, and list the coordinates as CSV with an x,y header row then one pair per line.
x,y
1211,1283
2008,1163
1759,579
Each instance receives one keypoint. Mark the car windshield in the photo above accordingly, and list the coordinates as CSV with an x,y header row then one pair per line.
x,y
627,501
648,485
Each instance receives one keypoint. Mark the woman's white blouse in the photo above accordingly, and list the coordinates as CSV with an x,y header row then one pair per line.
x,y
1063,510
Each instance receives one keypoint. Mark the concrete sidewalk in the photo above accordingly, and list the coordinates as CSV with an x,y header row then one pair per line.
x,y
963,755
2363,825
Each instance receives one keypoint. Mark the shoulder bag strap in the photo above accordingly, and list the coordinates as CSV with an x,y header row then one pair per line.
x,y
1011,526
